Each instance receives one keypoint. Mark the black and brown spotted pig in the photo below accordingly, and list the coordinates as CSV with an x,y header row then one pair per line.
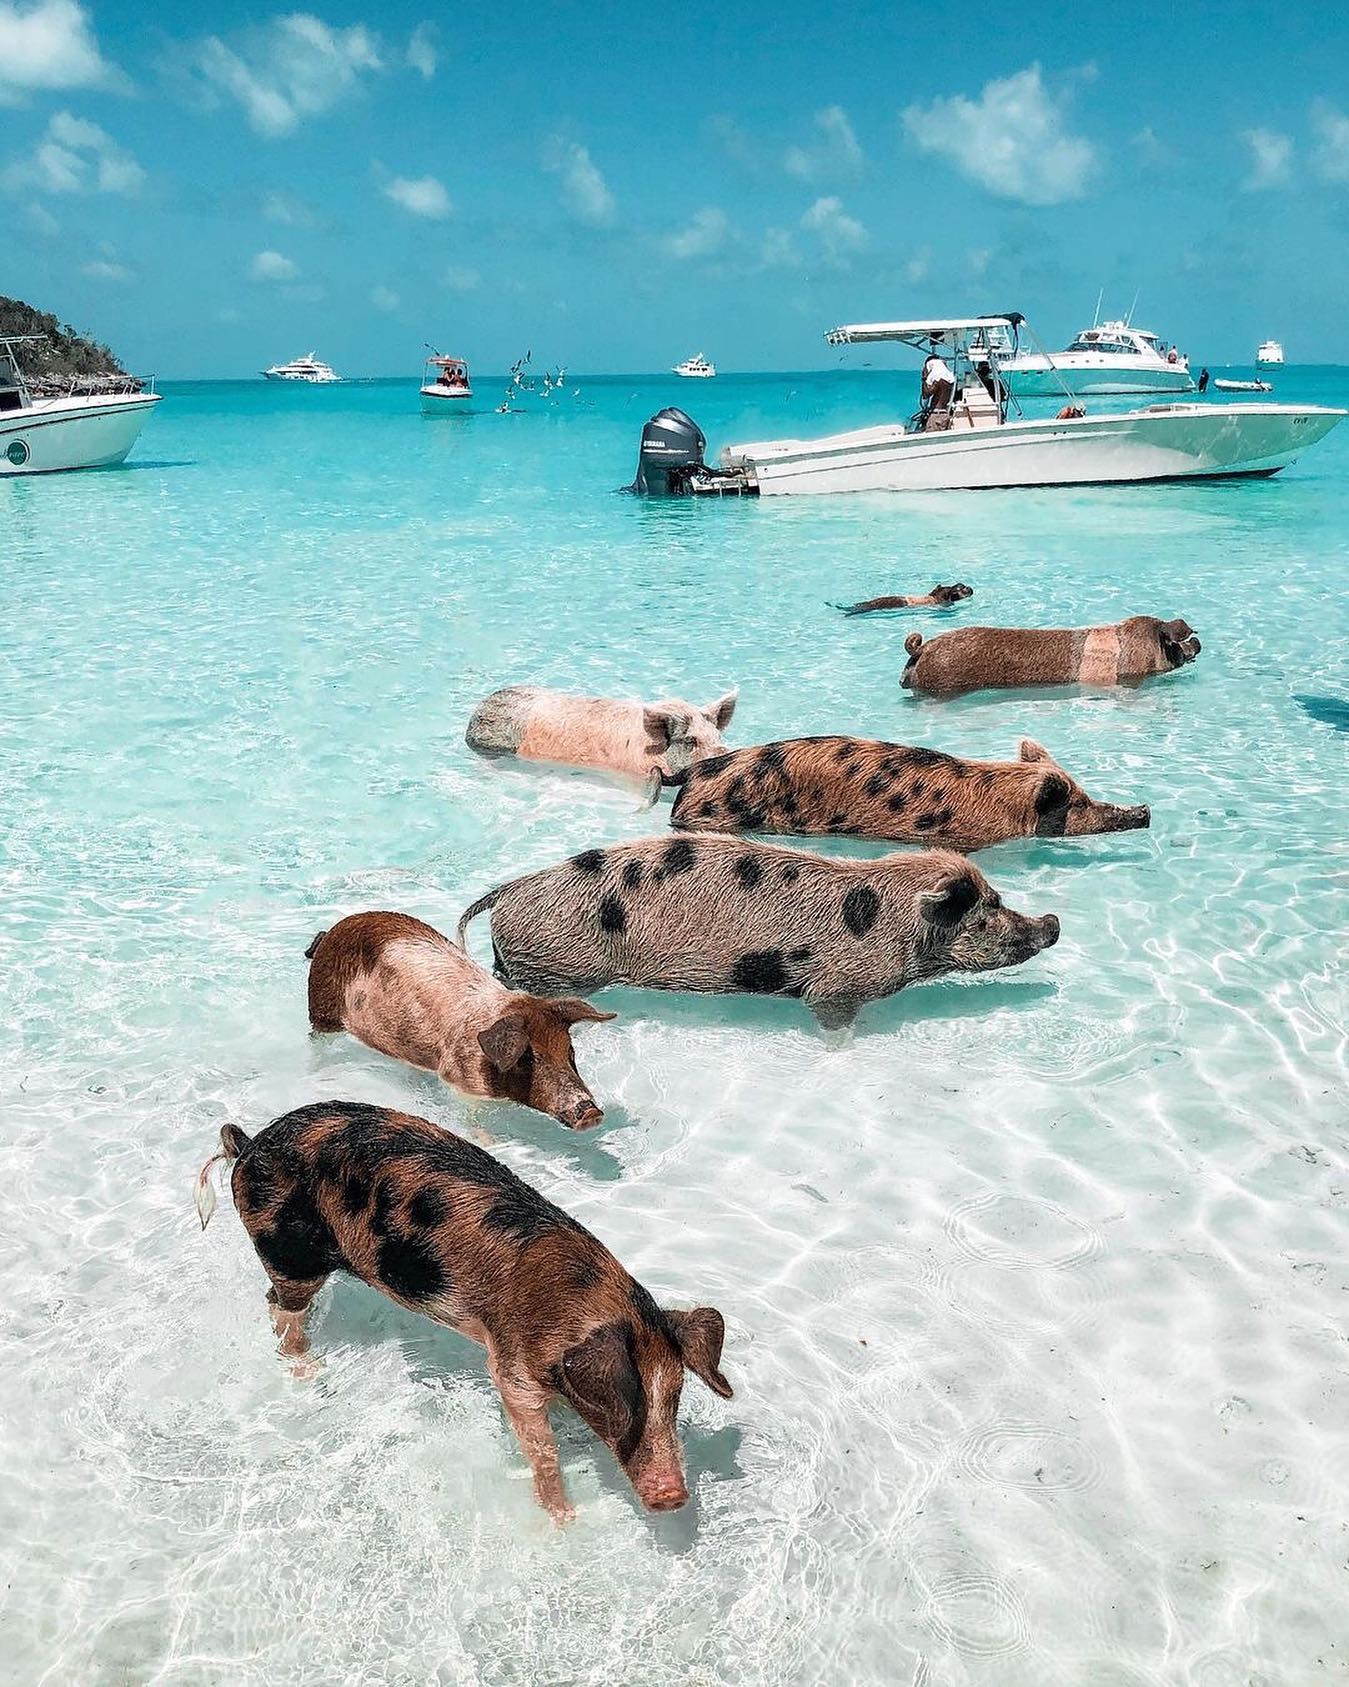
x,y
401,987
940,597
976,658
865,788
724,914
441,1227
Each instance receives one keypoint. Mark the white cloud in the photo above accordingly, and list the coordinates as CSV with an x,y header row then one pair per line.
x,y
780,250
705,235
286,208
292,67
49,44
1332,150
737,143
585,192
43,221
1271,155
918,266
461,280
271,266
1013,140
422,49
835,154
424,196
839,234
384,298
106,269
75,156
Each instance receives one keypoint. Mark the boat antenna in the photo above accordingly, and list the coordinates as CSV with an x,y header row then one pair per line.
x,y
1129,320
1096,317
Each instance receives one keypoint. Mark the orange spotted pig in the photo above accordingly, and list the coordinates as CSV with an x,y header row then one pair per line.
x,y
647,742
438,1225
725,914
401,987
975,658
864,788
940,597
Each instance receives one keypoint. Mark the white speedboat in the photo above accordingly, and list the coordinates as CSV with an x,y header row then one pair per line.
x,y
1108,357
92,425
312,370
446,388
1243,386
1270,351
979,438
696,368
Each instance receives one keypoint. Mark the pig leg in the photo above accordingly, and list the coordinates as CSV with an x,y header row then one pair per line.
x,y
526,1407
290,1304
834,1013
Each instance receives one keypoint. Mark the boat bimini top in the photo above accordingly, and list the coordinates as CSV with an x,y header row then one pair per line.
x,y
952,331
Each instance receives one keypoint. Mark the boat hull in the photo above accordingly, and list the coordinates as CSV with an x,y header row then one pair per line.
x,y
1166,442
71,433
1099,379
440,403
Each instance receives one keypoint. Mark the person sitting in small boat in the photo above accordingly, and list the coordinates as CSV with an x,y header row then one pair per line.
x,y
938,388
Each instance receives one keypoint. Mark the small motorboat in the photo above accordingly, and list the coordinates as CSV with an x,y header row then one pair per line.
x,y
1270,352
92,424
1243,386
445,387
969,432
311,371
696,368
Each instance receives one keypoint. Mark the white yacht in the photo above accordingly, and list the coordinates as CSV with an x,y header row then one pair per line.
x,y
696,368
1108,357
90,425
1270,352
446,388
970,433
310,369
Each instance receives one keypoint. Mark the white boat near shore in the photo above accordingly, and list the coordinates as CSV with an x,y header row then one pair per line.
x,y
42,433
968,438
446,388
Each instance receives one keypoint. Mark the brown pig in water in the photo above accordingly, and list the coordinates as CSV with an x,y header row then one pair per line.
x,y
401,987
864,788
975,658
724,914
641,741
438,1225
940,597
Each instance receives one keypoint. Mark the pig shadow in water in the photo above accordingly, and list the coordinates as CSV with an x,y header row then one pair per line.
x,y
1329,711
487,1122
354,1316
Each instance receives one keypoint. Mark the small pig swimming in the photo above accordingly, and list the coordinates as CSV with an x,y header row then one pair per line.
x,y
975,658
940,597
401,987
864,788
724,914
642,741
441,1227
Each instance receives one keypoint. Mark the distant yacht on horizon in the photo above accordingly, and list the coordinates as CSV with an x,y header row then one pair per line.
x,y
310,369
1270,352
696,368
1108,357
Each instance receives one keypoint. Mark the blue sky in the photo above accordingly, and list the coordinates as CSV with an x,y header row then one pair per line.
x,y
616,187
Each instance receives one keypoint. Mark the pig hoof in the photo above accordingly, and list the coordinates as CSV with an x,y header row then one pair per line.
x,y
562,1514
306,1369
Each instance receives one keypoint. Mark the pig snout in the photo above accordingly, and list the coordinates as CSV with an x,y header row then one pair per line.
x,y
579,1111
663,1491
1045,932
1131,819
1111,817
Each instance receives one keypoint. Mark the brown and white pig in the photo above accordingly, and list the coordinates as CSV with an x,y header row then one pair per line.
x,y
646,742
724,914
441,1227
401,987
940,597
865,788
976,658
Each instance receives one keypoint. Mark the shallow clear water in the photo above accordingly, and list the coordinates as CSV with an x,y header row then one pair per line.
x,y
1035,1289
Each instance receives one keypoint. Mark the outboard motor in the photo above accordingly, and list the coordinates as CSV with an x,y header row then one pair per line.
x,y
672,445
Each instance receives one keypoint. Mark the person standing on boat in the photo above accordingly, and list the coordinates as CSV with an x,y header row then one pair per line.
x,y
938,387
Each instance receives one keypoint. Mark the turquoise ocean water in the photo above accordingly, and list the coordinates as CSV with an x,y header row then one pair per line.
x,y
1035,1289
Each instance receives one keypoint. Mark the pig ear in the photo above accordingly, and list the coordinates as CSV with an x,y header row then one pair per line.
x,y
720,712
573,1010
1031,751
948,902
700,1335
664,724
600,1378
1178,630
504,1042
1051,805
